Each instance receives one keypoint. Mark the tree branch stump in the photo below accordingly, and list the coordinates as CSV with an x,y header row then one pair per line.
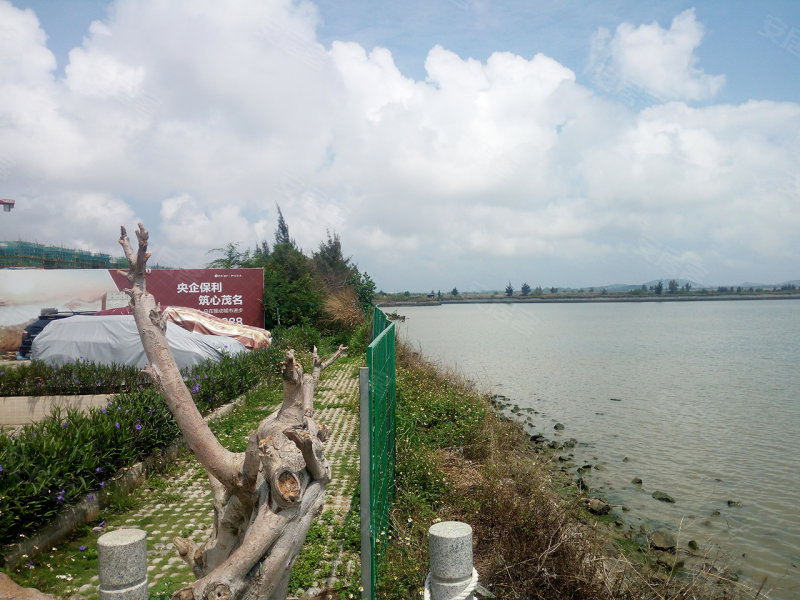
x,y
264,498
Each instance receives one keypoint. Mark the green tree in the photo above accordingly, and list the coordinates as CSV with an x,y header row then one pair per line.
x,y
330,264
525,289
659,287
282,231
509,289
454,291
365,289
673,286
292,296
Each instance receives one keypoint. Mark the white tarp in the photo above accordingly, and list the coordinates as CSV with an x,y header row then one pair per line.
x,y
115,339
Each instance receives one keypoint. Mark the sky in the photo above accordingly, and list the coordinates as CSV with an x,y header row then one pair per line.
x,y
449,143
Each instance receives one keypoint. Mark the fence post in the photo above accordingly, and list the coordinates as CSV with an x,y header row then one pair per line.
x,y
451,575
122,562
365,466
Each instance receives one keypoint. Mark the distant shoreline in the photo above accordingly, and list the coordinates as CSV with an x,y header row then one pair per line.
x,y
600,299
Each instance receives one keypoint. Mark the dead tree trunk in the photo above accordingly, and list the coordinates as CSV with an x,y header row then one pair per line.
x,y
264,498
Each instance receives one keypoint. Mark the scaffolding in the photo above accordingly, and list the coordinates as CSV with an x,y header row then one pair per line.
x,y
38,256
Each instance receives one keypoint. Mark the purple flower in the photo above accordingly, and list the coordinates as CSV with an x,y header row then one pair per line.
x,y
102,484
138,426
1,468
64,424
103,410
81,548
116,425
30,564
60,496
91,496
196,388
119,408
97,470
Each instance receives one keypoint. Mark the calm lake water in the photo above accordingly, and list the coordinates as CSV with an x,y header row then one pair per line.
x,y
706,408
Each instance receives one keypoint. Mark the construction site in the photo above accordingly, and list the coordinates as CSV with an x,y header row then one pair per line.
x,y
31,255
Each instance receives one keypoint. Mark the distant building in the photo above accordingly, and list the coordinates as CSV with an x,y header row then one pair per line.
x,y
38,256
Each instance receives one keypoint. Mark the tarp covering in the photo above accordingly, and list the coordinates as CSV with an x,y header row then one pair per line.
x,y
253,338
114,339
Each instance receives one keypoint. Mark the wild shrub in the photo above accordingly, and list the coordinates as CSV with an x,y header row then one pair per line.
x,y
341,308
302,338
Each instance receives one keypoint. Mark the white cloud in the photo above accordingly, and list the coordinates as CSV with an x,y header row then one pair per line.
x,y
102,76
484,171
74,219
661,62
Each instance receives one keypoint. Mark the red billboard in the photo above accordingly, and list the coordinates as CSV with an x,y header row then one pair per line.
x,y
231,294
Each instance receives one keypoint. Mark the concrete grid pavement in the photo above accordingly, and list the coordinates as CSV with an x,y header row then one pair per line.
x,y
189,513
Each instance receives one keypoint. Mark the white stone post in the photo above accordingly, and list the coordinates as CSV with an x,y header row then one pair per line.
x,y
122,562
451,574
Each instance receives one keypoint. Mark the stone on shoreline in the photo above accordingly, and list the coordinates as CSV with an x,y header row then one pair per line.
x,y
662,539
597,506
663,496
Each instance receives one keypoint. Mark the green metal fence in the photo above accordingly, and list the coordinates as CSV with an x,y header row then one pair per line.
x,y
377,447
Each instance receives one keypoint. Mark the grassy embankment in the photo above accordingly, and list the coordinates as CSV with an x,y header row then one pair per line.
x,y
457,459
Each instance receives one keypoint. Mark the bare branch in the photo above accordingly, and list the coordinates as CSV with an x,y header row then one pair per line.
x,y
224,465
339,351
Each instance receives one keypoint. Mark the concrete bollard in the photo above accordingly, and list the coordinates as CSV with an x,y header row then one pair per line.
x,y
122,562
450,544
